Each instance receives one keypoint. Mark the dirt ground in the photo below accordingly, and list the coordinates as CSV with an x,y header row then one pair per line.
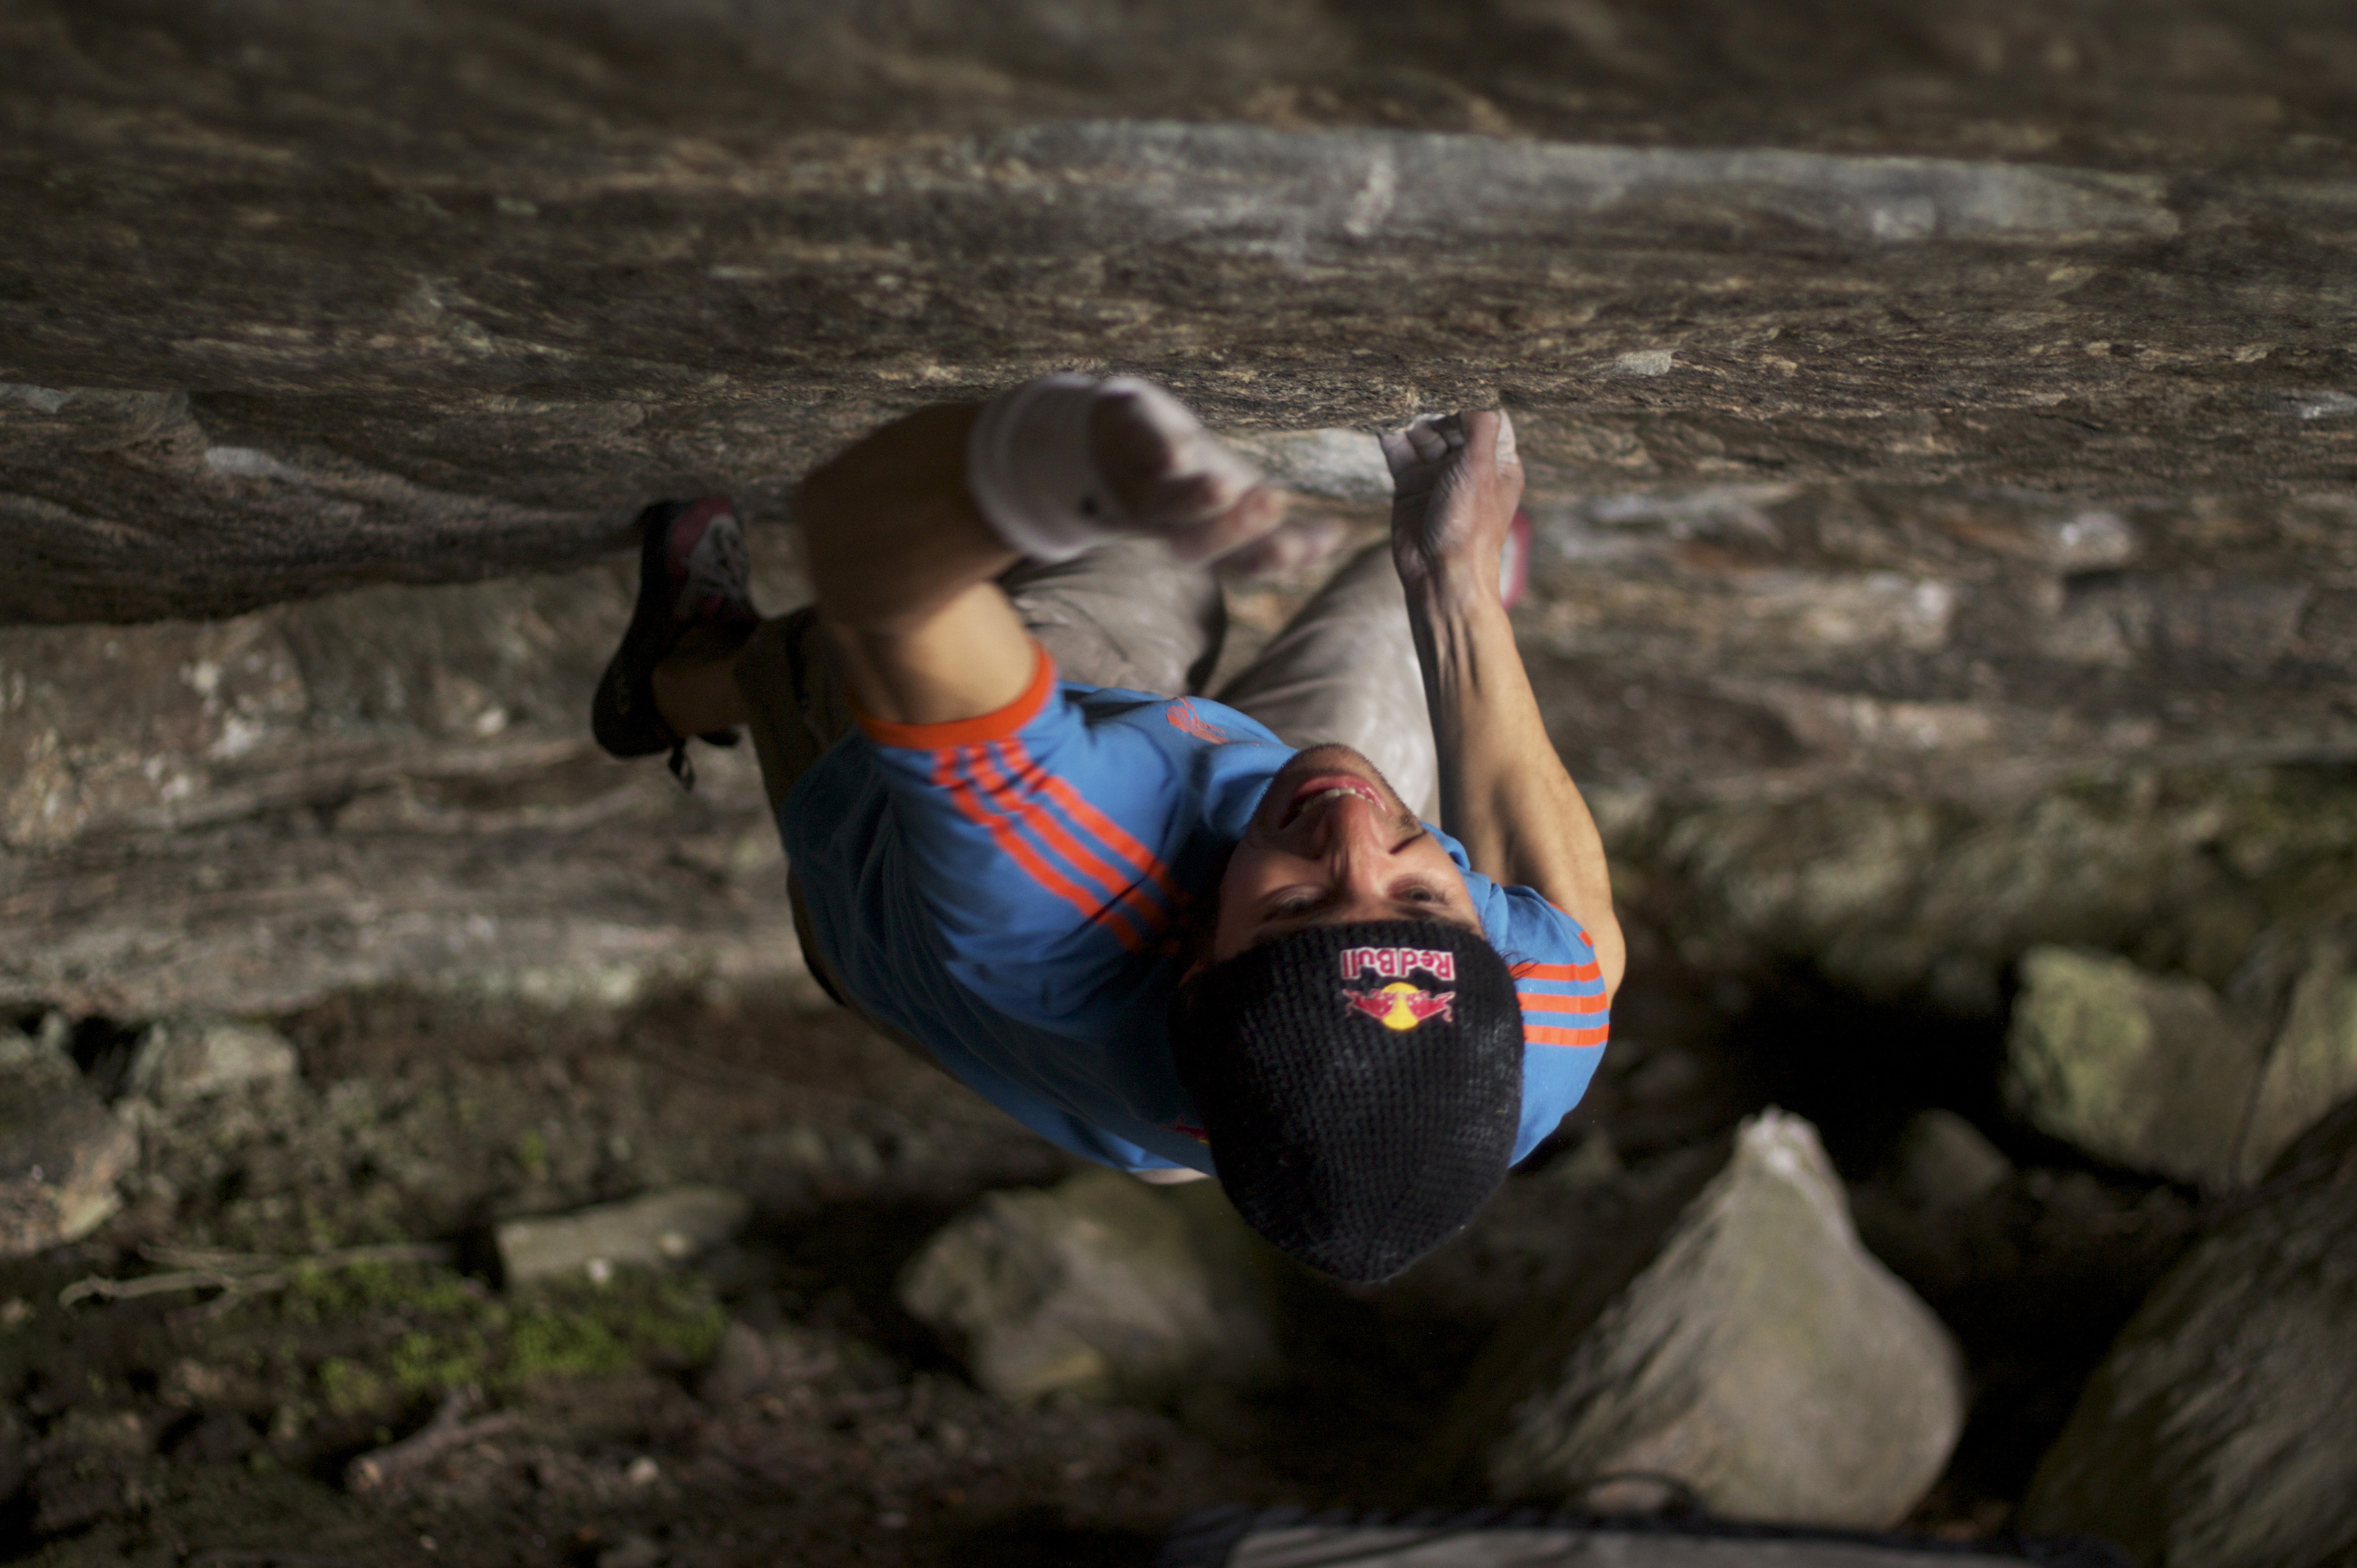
x,y
771,1403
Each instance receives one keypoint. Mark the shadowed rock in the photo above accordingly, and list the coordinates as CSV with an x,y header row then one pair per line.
x,y
2217,1430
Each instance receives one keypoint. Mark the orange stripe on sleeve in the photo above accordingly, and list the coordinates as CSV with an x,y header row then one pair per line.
x,y
1546,1035
1540,1002
1000,724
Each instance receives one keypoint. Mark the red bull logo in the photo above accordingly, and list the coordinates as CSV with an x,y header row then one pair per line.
x,y
1399,1003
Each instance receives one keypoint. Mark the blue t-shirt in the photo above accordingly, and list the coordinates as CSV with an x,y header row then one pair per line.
x,y
1007,891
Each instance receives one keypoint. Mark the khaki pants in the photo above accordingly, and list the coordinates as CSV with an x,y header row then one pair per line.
x,y
1343,669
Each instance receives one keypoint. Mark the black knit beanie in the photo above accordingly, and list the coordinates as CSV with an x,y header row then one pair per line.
x,y
1361,1086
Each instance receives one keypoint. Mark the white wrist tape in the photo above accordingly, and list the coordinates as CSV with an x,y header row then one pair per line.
x,y
1031,465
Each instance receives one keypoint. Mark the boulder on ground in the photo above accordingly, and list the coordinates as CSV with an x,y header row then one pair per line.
x,y
182,1060
1943,1160
2148,1071
1761,1358
1101,1286
2221,1430
654,1232
2312,1066
61,1152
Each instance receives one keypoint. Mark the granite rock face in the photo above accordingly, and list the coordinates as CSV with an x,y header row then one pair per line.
x,y
2218,1429
263,341
1761,1358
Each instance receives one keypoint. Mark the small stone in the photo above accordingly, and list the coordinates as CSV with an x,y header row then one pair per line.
x,y
739,1368
1101,1287
2148,1071
1942,1160
644,1472
654,1231
1762,1358
183,1059
632,1551
61,1155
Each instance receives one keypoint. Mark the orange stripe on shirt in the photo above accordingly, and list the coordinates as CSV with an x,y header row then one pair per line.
x,y
1541,1002
1591,970
997,724
1008,796
1010,843
1547,1035
1116,838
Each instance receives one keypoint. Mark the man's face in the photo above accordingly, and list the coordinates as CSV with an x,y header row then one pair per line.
x,y
1331,842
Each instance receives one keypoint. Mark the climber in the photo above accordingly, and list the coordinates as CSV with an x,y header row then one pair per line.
x,y
1170,934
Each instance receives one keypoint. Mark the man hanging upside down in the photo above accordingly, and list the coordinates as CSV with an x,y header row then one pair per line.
x,y
1174,935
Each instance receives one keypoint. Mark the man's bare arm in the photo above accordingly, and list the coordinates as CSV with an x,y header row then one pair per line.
x,y
1503,790
905,564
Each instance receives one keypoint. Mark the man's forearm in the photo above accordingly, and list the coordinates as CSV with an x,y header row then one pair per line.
x,y
1503,790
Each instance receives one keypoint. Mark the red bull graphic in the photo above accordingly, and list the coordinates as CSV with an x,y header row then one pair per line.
x,y
1400,1004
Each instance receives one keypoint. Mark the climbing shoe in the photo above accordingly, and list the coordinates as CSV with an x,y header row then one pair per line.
x,y
692,574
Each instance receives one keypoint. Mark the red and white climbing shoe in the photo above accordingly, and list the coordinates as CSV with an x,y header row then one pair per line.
x,y
693,572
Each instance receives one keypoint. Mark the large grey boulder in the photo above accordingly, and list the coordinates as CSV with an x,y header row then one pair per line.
x,y
1101,1287
2148,1071
1761,1357
2221,1431
61,1152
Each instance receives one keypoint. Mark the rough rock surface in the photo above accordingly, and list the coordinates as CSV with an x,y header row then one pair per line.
x,y
2148,1071
61,1152
2219,1430
186,1059
1104,1287
1762,1358
651,1232
389,786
